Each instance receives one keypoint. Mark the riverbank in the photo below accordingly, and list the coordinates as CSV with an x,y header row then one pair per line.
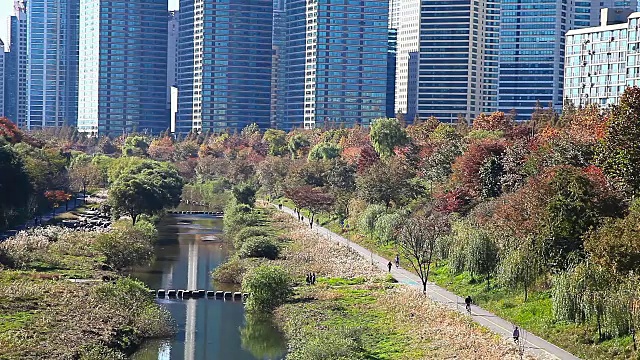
x,y
355,310
61,296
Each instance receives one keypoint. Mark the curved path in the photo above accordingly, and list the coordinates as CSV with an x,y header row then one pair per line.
x,y
489,320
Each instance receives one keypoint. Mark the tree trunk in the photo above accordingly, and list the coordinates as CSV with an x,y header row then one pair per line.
x,y
525,291
311,220
488,284
424,286
134,217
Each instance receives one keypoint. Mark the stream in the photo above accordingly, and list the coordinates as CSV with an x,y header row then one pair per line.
x,y
189,248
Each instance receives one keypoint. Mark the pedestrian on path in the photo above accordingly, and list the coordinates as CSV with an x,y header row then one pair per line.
x,y
389,265
313,279
308,279
516,334
397,261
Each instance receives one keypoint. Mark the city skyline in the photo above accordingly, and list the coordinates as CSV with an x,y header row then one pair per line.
x,y
6,10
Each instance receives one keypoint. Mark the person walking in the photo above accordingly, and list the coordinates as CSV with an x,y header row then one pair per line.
x,y
313,279
397,261
389,265
468,301
516,334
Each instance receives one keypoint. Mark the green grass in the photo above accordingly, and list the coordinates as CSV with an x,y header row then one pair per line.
x,y
347,322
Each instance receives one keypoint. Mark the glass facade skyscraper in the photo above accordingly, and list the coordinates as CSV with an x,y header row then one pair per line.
x,y
15,93
52,48
224,64
336,62
532,49
123,66
458,42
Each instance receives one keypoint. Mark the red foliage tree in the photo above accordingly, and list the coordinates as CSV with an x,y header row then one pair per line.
x,y
466,168
452,201
496,121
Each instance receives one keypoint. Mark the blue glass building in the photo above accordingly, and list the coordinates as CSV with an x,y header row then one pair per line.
x,y
336,62
532,49
457,58
15,85
52,67
224,64
123,66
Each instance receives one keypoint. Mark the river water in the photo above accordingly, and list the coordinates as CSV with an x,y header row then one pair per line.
x,y
189,247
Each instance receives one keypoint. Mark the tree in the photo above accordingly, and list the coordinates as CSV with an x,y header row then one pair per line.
x,y
616,244
497,121
146,189
269,287
245,194
312,198
83,173
619,152
15,188
418,239
135,145
324,151
272,173
277,141
386,134
521,266
297,145
397,188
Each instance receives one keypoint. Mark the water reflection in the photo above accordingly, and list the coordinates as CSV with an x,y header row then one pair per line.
x,y
189,248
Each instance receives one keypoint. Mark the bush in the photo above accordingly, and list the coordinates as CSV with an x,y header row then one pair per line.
x,y
260,247
246,233
341,343
127,245
238,216
230,272
268,287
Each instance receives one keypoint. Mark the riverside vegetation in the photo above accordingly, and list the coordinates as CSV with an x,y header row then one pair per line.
x,y
534,220
354,311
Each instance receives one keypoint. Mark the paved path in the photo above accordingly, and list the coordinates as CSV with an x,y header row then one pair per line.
x,y
70,205
491,321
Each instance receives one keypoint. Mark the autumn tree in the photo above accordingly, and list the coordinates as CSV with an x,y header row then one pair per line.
x,y
314,199
418,239
619,153
398,186
496,121
83,173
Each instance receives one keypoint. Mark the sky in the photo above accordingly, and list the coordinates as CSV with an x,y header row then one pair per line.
x,y
6,10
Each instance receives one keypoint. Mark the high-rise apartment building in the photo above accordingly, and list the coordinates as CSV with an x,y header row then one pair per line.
x,y
601,61
123,66
407,59
336,62
172,53
15,88
532,49
457,58
52,49
3,73
278,68
224,64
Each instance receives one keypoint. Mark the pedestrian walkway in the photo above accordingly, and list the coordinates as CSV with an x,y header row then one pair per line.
x,y
439,295
69,206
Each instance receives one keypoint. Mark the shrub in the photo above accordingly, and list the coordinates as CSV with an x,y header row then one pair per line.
x,y
126,245
230,272
268,286
246,233
260,247
238,216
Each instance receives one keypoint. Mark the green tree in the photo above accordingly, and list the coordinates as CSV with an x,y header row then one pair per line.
x,y
244,193
388,182
15,188
386,134
259,247
619,151
298,143
135,145
146,189
324,151
268,287
521,266
277,141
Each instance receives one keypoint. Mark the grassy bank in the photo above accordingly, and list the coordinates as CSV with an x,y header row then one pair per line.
x,y
354,311
534,315
43,314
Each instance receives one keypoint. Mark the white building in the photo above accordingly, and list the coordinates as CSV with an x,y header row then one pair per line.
x,y
172,53
406,92
601,61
